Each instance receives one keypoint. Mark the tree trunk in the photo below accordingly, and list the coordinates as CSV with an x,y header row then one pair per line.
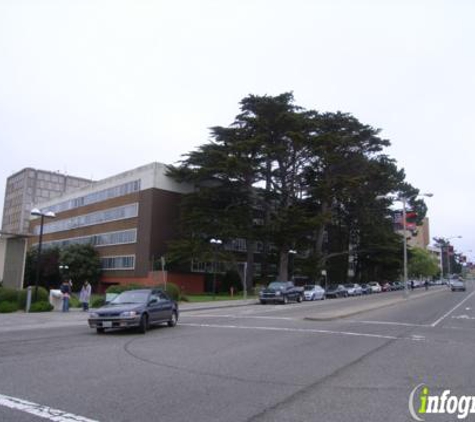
x,y
283,264
250,265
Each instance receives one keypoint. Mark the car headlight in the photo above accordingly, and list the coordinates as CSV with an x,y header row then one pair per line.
x,y
278,293
93,315
129,314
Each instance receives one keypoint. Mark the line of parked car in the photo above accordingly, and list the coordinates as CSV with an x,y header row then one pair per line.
x,y
283,292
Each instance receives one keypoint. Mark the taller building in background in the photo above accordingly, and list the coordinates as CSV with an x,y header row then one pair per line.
x,y
30,186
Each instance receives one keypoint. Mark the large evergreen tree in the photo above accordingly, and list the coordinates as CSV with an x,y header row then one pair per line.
x,y
305,176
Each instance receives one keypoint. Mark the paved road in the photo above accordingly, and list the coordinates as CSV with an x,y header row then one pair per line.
x,y
299,362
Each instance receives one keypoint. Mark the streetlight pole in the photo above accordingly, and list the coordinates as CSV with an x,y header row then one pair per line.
x,y
404,227
447,246
42,216
215,243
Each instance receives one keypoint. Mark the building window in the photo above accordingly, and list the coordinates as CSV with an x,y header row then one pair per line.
x,y
99,217
125,262
95,197
97,240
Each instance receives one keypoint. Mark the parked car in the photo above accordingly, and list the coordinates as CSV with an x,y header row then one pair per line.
x,y
397,285
386,287
366,289
354,289
337,291
313,292
375,287
135,308
281,291
457,286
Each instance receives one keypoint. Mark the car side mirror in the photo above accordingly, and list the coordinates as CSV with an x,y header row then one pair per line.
x,y
153,301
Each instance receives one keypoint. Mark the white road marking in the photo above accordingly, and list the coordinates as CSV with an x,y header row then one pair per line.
x,y
298,330
237,316
453,309
41,411
462,317
416,337
403,324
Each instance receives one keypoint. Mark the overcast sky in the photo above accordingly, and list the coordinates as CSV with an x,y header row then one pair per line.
x,y
94,88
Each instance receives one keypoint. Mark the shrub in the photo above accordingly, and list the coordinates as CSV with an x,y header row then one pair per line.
x,y
98,302
74,302
7,307
41,306
119,288
43,296
8,295
172,289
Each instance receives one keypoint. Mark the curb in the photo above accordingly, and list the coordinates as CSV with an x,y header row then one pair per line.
x,y
216,306
340,315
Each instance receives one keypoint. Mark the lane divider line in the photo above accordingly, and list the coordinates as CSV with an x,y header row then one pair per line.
x,y
434,324
295,330
41,411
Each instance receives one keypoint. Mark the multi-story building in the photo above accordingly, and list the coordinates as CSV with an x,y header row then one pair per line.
x,y
421,237
30,186
129,218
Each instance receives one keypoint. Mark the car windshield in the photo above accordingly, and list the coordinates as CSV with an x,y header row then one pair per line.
x,y
350,286
276,285
309,287
130,297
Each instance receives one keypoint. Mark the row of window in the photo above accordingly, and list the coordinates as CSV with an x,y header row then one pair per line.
x,y
222,267
95,197
98,217
102,239
124,262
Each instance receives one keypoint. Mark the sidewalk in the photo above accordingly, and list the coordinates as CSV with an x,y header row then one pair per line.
x,y
350,309
19,321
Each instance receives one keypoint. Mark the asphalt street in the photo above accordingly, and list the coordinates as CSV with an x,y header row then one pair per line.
x,y
354,359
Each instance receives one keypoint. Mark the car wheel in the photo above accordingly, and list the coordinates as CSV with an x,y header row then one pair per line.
x,y
263,302
299,298
143,327
173,320
323,297
100,330
285,300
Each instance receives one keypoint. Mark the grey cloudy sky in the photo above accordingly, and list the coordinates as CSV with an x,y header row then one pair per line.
x,y
93,88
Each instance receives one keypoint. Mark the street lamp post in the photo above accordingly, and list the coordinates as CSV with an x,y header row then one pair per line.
x,y
404,200
447,246
42,216
215,243
404,227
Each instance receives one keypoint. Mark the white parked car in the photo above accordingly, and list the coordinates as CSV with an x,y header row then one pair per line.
x,y
354,289
375,287
313,292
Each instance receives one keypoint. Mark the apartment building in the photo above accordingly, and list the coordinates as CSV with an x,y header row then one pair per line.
x,y
29,186
129,218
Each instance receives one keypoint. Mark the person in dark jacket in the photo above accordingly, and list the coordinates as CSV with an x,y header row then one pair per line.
x,y
66,291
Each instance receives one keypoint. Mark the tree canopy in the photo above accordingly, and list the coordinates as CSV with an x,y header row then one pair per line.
x,y
283,178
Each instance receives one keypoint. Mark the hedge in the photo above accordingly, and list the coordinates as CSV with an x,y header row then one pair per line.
x,y
43,296
41,306
7,307
172,289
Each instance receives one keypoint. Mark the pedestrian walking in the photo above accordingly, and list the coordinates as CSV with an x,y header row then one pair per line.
x,y
85,295
66,291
